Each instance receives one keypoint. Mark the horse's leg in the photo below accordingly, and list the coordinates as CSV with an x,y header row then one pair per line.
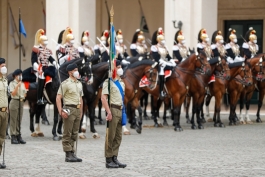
x,y
92,120
135,104
152,108
261,96
146,117
241,119
80,131
207,103
248,97
157,105
37,121
202,119
55,122
187,107
31,115
101,122
177,126
165,114
199,110
44,116
194,107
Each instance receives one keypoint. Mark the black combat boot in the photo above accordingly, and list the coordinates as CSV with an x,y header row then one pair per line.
x,y
161,86
69,157
110,163
115,160
20,140
14,139
78,159
41,83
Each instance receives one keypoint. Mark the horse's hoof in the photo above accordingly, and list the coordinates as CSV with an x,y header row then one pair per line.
x,y
132,126
96,135
56,138
83,130
7,137
95,123
82,136
160,125
187,116
203,120
208,120
138,130
215,124
40,134
231,123
165,123
194,127
146,117
34,134
200,126
242,122
249,122
188,121
101,122
178,129
221,125
258,120
127,133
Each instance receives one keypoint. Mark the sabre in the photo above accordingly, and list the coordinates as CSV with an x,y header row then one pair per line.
x,y
102,44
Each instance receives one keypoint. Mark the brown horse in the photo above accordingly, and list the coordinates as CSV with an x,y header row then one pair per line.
x,y
177,84
131,78
199,85
257,67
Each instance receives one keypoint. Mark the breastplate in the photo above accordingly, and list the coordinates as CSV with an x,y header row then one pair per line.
x,y
121,51
208,51
140,49
162,51
221,50
88,52
43,57
235,49
253,49
183,51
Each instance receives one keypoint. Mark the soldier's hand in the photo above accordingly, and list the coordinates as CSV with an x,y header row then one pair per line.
x,y
109,117
64,115
19,84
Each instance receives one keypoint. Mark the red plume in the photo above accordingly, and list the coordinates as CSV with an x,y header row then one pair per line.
x,y
42,32
204,31
180,33
106,34
87,33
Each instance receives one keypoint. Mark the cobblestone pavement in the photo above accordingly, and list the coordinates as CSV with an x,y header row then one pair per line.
x,y
231,151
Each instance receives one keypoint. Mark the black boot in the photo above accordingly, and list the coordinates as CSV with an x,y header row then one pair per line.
x,y
20,140
115,160
110,163
78,159
41,83
2,166
161,86
14,139
69,157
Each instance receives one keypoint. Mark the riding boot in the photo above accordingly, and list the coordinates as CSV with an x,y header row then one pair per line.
x,y
2,166
69,157
14,139
115,160
78,159
20,140
41,83
110,163
161,86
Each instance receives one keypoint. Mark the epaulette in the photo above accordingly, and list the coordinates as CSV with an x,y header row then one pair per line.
x,y
35,49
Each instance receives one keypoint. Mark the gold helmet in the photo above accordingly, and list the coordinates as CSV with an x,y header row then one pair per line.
x,y
160,35
105,35
119,35
202,35
217,37
232,35
40,38
67,35
140,37
179,37
251,35
85,37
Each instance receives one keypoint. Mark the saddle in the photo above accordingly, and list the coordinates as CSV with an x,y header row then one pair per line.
x,y
144,82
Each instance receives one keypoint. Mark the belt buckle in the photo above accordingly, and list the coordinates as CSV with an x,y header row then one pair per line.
x,y
21,99
3,109
78,106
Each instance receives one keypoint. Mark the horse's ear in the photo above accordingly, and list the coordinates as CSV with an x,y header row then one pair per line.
x,y
153,65
83,61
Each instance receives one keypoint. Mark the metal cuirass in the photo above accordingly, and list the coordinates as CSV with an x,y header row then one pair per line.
x,y
208,51
253,49
162,51
183,51
140,49
88,52
221,50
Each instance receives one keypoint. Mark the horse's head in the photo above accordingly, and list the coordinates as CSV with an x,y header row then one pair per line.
x,y
246,73
152,75
203,64
223,68
258,69
86,72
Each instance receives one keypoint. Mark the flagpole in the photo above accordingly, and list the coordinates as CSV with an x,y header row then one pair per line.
x,y
20,69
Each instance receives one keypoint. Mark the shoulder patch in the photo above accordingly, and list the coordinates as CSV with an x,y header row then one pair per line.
x,y
245,45
175,47
153,48
213,46
35,49
227,46
96,47
199,45
133,46
80,49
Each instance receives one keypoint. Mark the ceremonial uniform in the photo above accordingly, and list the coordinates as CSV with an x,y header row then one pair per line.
x,y
120,47
232,48
217,46
3,105
114,134
180,51
160,54
18,94
72,92
67,51
40,58
100,50
138,46
250,47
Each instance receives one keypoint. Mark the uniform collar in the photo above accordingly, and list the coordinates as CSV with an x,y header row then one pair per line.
x,y
72,80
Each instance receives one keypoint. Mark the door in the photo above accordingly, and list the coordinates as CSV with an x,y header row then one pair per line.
x,y
241,27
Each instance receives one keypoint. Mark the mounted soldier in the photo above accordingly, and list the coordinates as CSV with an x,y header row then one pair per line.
x,y
217,46
180,51
67,51
250,46
100,49
40,58
138,46
160,54
120,46
232,48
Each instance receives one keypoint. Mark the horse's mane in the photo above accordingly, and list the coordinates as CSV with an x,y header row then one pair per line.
x,y
65,64
186,61
138,63
98,65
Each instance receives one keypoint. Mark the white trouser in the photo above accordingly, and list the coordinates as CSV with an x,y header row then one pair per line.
x,y
164,63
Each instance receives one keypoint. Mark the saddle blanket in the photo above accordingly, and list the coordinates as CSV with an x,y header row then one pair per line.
x,y
33,85
144,82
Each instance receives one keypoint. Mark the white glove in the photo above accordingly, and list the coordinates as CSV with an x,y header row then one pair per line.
x,y
35,66
128,57
124,62
55,65
172,62
62,60
162,63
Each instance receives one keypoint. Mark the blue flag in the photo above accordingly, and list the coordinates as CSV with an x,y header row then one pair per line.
x,y
21,28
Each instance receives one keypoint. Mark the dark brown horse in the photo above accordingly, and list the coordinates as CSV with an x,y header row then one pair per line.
x,y
257,67
199,85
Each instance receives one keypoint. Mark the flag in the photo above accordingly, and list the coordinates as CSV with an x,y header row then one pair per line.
x,y
112,51
21,28
12,28
143,25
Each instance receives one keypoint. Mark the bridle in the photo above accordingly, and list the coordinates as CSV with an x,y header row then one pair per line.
x,y
222,73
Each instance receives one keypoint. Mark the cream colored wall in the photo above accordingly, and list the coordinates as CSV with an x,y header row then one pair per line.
x,y
128,15
32,16
241,10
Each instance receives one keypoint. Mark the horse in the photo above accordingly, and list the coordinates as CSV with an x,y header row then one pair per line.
x,y
131,78
257,67
177,85
198,87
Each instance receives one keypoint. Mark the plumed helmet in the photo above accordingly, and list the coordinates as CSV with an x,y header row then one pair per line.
x,y
179,37
231,35
40,37
67,35
119,34
84,37
202,35
138,36
251,35
217,36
